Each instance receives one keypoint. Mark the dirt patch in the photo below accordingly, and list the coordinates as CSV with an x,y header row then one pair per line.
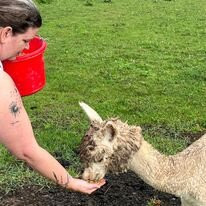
x,y
122,190
171,132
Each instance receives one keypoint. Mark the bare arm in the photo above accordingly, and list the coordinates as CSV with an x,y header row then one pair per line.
x,y
17,135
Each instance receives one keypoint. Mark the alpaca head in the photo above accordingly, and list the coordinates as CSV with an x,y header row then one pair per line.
x,y
107,146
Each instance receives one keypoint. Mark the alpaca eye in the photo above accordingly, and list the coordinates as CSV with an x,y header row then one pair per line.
x,y
91,148
98,159
101,160
96,128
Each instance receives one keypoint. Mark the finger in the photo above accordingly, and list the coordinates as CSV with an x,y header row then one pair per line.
x,y
101,182
91,191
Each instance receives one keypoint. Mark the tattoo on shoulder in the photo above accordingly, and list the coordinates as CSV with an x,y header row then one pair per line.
x,y
14,109
14,92
15,105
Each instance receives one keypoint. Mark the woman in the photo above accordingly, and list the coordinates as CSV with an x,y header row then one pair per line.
x,y
19,23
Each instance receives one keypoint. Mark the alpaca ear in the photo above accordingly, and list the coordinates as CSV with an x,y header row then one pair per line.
x,y
92,115
110,132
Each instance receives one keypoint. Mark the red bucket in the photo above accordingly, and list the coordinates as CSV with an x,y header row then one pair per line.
x,y
28,70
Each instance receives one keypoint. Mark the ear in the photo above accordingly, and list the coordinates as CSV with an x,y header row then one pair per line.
x,y
110,132
5,32
93,115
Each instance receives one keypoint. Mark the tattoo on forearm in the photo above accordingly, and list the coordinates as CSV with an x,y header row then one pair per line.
x,y
55,177
61,181
67,182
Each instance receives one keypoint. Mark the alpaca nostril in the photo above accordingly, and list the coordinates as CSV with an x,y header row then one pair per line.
x,y
96,177
86,174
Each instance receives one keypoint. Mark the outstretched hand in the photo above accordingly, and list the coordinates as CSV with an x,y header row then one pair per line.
x,y
82,186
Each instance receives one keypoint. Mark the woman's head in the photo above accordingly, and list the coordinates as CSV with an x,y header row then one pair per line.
x,y
19,23
19,15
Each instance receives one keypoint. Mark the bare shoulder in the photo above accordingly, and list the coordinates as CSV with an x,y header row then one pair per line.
x,y
5,81
4,76
15,126
9,94
7,86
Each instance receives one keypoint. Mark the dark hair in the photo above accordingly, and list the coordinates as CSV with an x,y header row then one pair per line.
x,y
20,15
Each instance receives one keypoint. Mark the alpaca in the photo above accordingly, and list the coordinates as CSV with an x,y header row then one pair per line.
x,y
114,146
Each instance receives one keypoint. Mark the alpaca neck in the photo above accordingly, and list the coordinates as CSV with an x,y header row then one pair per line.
x,y
156,169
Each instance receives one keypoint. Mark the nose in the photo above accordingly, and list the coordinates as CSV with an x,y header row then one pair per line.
x,y
86,174
27,46
92,175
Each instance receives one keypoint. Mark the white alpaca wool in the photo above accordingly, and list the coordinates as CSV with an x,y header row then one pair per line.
x,y
115,146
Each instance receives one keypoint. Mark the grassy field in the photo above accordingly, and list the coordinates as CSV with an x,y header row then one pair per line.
x,y
141,60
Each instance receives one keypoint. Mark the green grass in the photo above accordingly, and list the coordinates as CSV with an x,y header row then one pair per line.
x,y
143,61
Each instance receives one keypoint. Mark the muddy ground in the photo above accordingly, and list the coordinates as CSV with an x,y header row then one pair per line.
x,y
122,190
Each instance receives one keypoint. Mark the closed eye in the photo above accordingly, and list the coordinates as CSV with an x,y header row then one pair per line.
x,y
98,159
101,160
26,41
91,148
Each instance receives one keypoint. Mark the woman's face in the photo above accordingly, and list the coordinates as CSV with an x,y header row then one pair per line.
x,y
15,44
